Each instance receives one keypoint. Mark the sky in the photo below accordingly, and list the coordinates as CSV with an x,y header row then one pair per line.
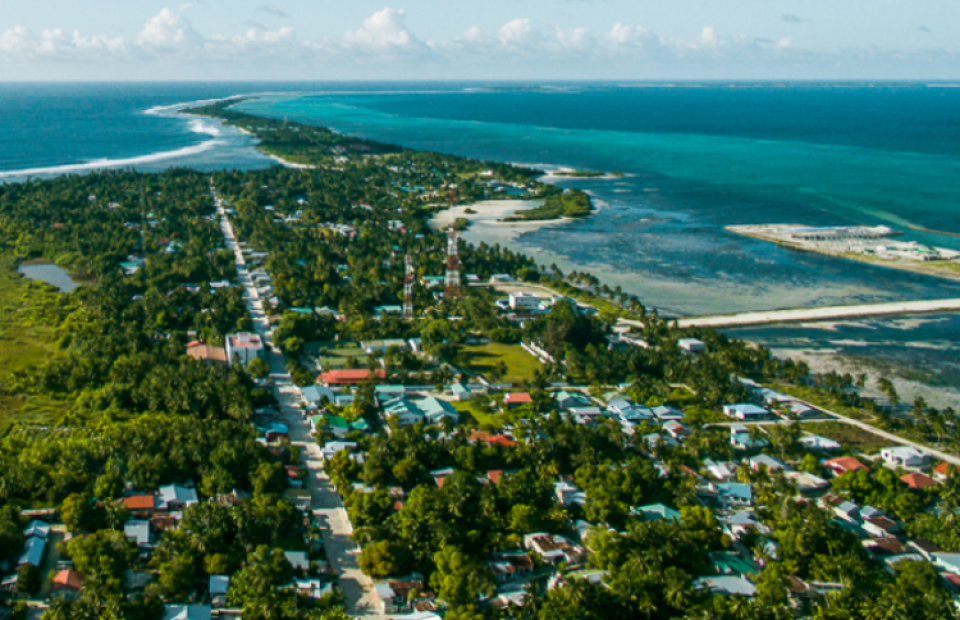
x,y
51,40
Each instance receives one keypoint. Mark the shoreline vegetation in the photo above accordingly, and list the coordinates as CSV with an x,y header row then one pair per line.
x,y
572,203
948,270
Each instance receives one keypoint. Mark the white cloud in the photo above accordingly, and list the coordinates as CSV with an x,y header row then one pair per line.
x,y
576,39
515,33
709,37
383,32
518,48
169,32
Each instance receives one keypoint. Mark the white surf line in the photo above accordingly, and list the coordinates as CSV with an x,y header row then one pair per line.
x,y
115,163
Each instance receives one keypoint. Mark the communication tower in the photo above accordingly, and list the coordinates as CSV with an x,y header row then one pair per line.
x,y
409,277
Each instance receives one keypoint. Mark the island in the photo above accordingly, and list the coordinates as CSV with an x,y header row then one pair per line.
x,y
867,244
283,394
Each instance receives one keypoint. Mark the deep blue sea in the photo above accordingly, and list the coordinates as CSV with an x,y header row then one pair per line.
x,y
695,158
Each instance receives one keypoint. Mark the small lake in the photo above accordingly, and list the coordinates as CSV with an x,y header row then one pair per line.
x,y
51,274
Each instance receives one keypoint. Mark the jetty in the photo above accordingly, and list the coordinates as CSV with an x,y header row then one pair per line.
x,y
802,315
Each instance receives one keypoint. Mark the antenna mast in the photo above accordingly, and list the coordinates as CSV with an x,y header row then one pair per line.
x,y
409,277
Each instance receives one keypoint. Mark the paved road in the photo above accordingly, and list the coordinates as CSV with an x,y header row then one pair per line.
x,y
342,552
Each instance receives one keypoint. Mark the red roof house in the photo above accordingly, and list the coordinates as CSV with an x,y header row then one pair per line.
x,y
352,376
844,464
67,584
942,471
140,502
515,399
918,481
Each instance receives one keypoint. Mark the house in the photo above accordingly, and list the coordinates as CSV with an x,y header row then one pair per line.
x,y
925,548
745,412
516,399
905,456
691,345
524,302
817,443
382,346
315,394
568,495
140,504
806,482
352,376
844,464
313,588
299,560
734,494
33,552
726,585
942,471
203,352
440,475
553,548
918,481
571,400
37,529
949,562
394,593
139,532
331,448
67,584
656,512
333,423
772,464
434,410
666,414
174,497
275,431
186,612
460,392
841,507
404,410
881,527
740,438
510,565
244,347
655,440
721,471
218,589
676,430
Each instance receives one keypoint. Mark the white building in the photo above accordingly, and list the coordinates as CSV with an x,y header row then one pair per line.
x,y
692,345
244,347
904,456
524,302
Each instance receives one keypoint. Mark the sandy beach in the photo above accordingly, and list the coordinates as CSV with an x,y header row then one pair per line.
x,y
485,224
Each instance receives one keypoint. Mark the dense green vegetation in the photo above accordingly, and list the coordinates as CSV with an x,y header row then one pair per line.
x,y
557,204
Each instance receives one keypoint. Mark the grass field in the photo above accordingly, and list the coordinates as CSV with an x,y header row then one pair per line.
x,y
484,358
24,339
851,437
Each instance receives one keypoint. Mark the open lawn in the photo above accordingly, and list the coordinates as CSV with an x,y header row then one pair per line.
x,y
331,358
484,358
851,437
25,339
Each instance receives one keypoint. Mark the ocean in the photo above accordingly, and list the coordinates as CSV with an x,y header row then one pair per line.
x,y
695,158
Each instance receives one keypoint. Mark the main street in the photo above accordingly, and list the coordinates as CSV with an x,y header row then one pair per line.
x,y
342,552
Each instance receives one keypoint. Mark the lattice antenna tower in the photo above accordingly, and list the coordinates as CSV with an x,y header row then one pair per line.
x,y
452,288
408,280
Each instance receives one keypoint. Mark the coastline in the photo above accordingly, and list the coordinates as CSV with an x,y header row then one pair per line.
x,y
485,225
825,361
924,268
